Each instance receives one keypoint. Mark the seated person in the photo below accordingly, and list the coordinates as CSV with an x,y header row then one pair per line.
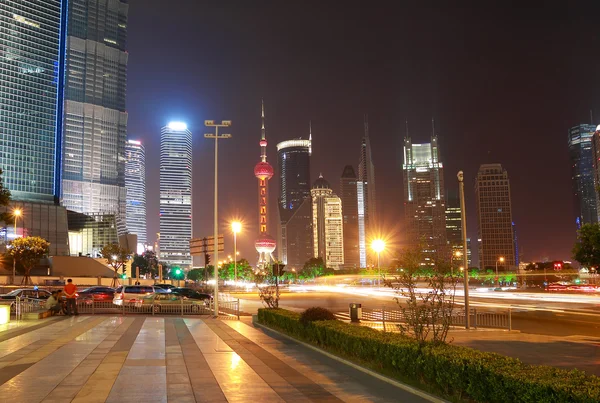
x,y
52,303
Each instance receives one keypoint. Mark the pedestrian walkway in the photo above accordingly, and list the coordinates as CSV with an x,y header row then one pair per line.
x,y
173,359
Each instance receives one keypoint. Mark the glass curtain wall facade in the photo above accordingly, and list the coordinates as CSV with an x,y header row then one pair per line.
x,y
366,194
424,200
135,183
349,196
31,71
176,195
582,174
95,118
328,232
293,158
494,214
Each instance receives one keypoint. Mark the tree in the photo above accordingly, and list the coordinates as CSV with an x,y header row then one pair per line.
x,y
196,274
28,251
427,315
587,247
314,267
116,257
5,201
147,262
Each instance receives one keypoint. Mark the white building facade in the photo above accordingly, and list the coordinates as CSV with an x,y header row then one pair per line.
x,y
135,182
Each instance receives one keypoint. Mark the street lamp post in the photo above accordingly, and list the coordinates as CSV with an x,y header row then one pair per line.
x,y
501,260
457,254
378,245
211,123
463,216
16,215
236,227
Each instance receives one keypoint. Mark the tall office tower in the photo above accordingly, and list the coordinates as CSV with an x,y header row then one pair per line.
x,y
31,80
176,195
328,226
95,118
454,223
135,182
263,171
295,221
494,216
582,174
424,200
367,210
596,164
349,196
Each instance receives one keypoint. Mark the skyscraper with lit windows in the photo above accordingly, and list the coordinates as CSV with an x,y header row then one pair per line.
x,y
95,118
367,203
327,224
582,174
135,182
176,195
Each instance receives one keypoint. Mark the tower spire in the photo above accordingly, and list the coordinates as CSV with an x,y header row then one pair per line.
x,y
366,125
406,123
432,127
263,133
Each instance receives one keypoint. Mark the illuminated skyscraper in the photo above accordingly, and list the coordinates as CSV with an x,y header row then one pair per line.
x,y
95,118
135,182
263,171
494,214
31,92
424,204
367,204
582,174
176,194
349,196
327,224
295,233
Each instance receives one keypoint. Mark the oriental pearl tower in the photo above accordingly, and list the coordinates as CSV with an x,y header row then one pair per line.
x,y
265,244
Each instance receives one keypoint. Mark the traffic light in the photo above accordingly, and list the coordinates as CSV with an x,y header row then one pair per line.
x,y
206,259
558,266
278,269
177,272
124,275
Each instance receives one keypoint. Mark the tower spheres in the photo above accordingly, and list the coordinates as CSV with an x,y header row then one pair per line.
x,y
264,244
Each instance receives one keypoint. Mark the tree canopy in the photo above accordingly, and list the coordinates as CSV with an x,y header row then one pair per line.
x,y
4,201
147,262
28,251
116,257
587,247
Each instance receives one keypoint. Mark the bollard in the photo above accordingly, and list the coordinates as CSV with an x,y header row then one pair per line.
x,y
509,319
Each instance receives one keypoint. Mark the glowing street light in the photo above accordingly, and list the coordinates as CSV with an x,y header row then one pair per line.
x,y
16,214
378,245
501,260
456,254
236,227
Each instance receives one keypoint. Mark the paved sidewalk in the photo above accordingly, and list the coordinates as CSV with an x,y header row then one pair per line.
x,y
173,359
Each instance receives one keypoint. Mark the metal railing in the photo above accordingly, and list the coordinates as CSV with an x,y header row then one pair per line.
x,y
388,319
21,306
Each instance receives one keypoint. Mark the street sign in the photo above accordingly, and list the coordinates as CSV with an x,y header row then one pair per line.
x,y
203,246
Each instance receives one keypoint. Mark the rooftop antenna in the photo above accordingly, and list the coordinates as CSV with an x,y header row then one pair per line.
x,y
432,127
366,125
406,124
591,117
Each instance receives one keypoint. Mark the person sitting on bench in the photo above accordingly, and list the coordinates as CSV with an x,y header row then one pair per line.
x,y
52,303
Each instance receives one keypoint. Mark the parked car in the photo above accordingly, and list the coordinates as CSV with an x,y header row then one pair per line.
x,y
27,293
171,303
166,287
190,293
132,294
97,294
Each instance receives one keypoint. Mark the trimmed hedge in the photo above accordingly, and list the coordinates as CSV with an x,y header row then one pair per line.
x,y
451,371
315,314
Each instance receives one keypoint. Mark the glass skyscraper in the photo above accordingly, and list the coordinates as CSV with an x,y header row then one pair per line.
x,y
31,71
95,119
176,195
294,244
366,197
582,174
327,223
349,196
135,182
424,199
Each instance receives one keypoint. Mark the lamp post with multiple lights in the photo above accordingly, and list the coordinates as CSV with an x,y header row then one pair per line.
x,y
16,214
378,245
463,215
216,136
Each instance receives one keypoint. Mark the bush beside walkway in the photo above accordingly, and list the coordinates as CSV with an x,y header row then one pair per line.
x,y
453,372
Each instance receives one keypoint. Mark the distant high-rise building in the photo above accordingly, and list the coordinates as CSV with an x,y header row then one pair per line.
x,y
349,196
263,171
293,156
582,173
31,92
95,118
135,182
494,216
176,194
367,203
454,222
327,223
596,165
424,200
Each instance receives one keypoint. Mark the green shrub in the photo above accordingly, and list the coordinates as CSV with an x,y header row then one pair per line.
x,y
315,314
451,371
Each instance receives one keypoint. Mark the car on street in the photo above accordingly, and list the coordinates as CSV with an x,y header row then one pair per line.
x,y
166,287
26,293
132,294
97,294
190,293
171,303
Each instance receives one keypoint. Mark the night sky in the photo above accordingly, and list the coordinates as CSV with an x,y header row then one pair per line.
x,y
503,82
